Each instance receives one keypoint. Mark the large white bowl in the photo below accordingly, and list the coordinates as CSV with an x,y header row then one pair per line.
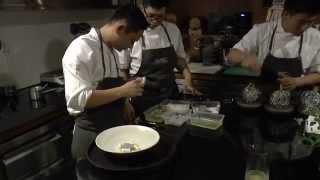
x,y
111,140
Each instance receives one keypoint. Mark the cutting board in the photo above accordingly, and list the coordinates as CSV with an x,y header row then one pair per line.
x,y
239,71
199,68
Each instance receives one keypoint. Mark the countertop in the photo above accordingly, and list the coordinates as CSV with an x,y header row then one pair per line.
x,y
199,68
201,154
20,114
222,154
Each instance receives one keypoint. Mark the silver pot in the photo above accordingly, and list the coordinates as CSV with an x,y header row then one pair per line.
x,y
35,93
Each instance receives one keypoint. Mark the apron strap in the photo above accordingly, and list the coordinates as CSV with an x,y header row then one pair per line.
x,y
143,41
301,44
272,39
165,30
102,56
115,62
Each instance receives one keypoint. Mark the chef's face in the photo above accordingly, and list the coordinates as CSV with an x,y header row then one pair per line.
x,y
126,39
297,23
154,16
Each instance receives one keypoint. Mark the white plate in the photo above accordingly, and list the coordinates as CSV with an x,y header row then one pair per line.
x,y
115,140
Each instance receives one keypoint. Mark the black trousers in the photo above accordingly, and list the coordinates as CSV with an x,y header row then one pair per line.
x,y
80,144
81,141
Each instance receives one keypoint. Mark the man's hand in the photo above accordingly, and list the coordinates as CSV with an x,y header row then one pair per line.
x,y
129,113
190,87
289,83
132,88
250,62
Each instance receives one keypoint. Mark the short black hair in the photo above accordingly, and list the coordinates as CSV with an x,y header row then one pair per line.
x,y
157,4
135,19
309,7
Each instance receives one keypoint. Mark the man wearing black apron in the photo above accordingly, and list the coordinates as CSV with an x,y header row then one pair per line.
x,y
158,68
285,51
155,56
95,92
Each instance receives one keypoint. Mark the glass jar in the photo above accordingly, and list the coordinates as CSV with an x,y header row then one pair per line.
x,y
257,166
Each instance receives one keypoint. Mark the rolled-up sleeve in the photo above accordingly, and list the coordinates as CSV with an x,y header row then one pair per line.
x,y
78,83
315,64
249,42
124,58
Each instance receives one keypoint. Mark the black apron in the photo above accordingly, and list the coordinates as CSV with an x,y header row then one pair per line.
x,y
93,121
158,67
271,126
273,65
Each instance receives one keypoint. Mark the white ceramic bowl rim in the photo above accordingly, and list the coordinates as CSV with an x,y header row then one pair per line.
x,y
111,139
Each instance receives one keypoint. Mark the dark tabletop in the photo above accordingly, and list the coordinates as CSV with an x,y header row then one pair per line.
x,y
20,114
200,153
203,154
222,154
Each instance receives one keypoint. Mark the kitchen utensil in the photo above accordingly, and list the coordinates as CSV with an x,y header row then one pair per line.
x,y
35,93
38,104
240,71
9,91
2,99
127,140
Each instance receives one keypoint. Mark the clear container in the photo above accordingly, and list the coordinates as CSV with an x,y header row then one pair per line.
x,y
206,107
257,167
207,120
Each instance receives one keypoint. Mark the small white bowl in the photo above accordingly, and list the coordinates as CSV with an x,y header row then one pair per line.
x,y
128,139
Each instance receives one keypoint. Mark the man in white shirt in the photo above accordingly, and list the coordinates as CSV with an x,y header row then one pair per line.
x,y
155,56
287,50
95,92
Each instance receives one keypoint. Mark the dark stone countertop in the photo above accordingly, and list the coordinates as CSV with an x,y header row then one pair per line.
x,y
204,154
201,154
20,114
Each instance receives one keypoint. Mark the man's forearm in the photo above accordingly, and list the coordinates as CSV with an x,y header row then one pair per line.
x,y
186,73
181,64
184,68
310,79
102,97
236,56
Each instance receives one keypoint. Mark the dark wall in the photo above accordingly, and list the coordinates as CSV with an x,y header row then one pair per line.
x,y
185,8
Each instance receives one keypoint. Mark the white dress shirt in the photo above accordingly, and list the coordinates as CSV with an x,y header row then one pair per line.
x,y
285,45
83,69
154,39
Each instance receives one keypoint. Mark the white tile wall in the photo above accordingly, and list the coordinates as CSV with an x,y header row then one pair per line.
x,y
34,42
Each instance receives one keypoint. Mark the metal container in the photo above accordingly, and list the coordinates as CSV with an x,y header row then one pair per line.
x,y
2,98
9,91
35,93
